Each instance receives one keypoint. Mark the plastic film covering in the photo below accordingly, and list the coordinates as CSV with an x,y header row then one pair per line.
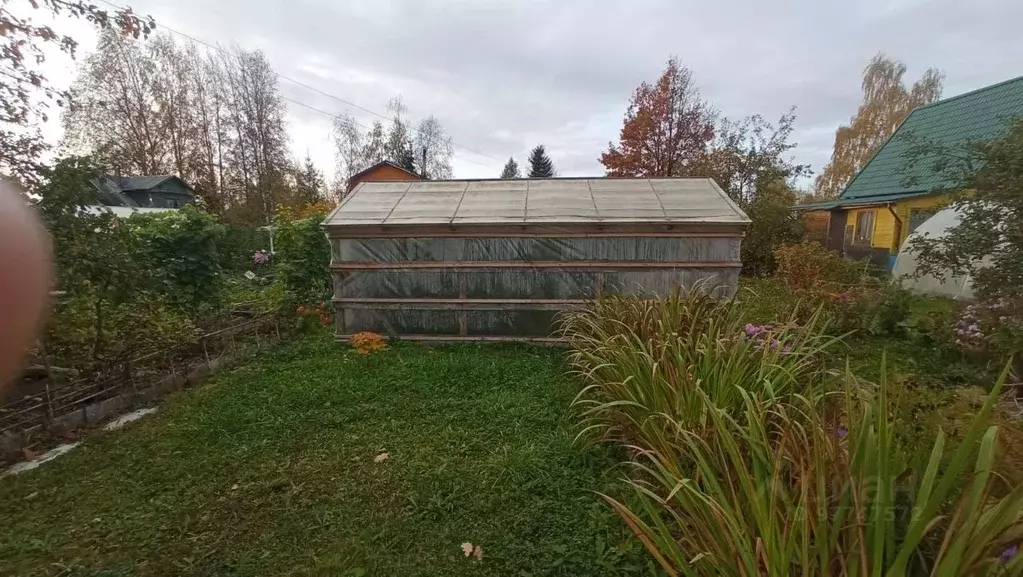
x,y
534,249
543,284
433,287
513,323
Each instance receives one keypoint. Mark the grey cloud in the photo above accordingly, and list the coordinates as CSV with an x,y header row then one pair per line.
x,y
504,75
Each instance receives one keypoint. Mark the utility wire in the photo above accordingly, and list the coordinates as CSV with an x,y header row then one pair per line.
x,y
332,115
303,85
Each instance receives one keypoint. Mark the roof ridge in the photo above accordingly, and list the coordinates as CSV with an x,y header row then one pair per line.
x,y
969,93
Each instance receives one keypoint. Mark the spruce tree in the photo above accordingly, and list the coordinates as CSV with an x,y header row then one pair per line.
x,y
540,165
511,169
309,183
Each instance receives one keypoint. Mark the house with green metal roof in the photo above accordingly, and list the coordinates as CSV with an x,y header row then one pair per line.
x,y
895,193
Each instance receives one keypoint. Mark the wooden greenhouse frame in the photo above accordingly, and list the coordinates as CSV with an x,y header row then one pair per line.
x,y
494,260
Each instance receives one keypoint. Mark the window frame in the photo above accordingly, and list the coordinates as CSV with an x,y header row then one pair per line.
x,y
858,236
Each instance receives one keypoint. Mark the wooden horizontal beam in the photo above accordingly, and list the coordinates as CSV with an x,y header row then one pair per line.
x,y
556,230
348,235
458,304
560,265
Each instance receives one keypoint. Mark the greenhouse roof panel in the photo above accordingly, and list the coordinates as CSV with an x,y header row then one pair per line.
x,y
557,200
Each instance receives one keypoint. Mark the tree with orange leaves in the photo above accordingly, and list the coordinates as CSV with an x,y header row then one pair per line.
x,y
666,129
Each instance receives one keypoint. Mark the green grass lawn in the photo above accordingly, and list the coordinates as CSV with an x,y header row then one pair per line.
x,y
270,470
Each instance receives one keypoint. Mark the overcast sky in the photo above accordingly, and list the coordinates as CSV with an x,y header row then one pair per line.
x,y
504,75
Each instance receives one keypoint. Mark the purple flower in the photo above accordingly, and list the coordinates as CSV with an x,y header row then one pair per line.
x,y
752,329
260,257
841,433
1008,553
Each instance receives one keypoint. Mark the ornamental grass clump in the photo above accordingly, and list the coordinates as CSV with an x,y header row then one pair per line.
x,y
651,365
813,484
749,457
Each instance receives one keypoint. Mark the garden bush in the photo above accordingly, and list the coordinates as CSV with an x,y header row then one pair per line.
x,y
809,266
772,223
131,285
852,299
85,330
302,260
238,244
983,179
180,251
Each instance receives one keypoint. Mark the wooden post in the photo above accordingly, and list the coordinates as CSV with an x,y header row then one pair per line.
x,y
174,373
130,376
205,353
463,293
49,381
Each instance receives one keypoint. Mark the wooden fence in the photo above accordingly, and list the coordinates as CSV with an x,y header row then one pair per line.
x,y
55,403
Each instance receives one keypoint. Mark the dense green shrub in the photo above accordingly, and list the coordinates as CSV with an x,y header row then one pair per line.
x,y
984,180
129,285
87,330
810,266
772,223
180,251
237,245
851,299
302,260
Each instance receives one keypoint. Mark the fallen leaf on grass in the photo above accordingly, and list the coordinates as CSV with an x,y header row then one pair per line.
x,y
380,458
470,551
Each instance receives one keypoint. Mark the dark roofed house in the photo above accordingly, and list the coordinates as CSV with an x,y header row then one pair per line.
x,y
893,194
163,191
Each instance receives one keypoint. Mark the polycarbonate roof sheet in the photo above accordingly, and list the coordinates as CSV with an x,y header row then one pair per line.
x,y
524,201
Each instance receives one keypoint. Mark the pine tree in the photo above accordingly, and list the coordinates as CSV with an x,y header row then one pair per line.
x,y
540,165
511,169
310,185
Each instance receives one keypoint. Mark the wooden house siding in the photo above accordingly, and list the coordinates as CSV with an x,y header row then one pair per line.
x,y
382,172
888,232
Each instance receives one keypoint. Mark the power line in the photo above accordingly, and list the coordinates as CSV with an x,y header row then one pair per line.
x,y
303,85
332,115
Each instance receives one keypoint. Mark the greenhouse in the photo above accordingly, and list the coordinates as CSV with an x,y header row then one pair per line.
x,y
499,259
906,271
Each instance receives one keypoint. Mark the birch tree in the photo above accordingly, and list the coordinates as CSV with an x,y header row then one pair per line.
x,y
886,103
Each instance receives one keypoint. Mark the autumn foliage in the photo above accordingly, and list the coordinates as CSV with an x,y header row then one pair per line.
x,y
666,130
318,208
365,342
886,103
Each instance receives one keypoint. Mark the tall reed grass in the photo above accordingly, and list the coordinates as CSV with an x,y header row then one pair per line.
x,y
648,365
749,459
